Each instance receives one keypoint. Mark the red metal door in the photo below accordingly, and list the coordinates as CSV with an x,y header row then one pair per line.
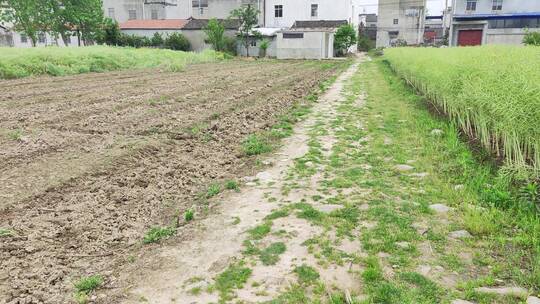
x,y
470,37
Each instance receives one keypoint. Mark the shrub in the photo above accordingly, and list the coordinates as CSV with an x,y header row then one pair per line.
x,y
215,32
177,42
532,38
157,40
230,45
111,33
264,47
345,37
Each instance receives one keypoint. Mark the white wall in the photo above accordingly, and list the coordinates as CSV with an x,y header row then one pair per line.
x,y
49,41
121,8
255,50
300,10
410,28
314,45
509,6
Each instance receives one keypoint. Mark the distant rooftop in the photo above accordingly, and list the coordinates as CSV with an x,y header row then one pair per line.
x,y
165,24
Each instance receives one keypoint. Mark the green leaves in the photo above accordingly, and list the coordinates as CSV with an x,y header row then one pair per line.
x,y
345,37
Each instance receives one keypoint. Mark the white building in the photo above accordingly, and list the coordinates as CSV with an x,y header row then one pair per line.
x,y
284,13
477,22
400,21
124,10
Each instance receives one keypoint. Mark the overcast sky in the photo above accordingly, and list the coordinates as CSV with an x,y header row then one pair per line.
x,y
435,7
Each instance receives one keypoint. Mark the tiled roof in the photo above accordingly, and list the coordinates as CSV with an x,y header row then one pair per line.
x,y
319,24
165,24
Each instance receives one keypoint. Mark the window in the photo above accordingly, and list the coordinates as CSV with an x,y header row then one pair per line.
x,y
278,11
111,12
293,35
154,14
497,5
199,3
514,23
253,42
132,14
396,21
314,10
471,5
24,38
42,38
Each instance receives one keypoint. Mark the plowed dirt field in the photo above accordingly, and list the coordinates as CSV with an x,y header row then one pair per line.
x,y
88,163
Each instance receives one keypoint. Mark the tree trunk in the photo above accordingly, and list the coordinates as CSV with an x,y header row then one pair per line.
x,y
78,37
247,47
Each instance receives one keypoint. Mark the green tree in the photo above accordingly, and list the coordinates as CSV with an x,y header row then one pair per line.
x,y
27,16
532,38
110,32
264,47
85,17
248,18
215,33
345,37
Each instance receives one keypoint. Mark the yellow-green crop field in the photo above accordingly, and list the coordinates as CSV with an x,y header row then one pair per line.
x,y
492,93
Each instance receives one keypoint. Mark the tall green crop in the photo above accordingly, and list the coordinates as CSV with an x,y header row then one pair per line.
x,y
17,62
491,92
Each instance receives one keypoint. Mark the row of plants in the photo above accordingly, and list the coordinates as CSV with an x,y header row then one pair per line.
x,y
492,93
56,61
112,36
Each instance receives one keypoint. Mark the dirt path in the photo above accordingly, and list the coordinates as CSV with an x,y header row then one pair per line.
x,y
220,238
354,208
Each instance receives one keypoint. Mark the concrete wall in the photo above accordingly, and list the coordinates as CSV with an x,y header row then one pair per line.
x,y
6,38
49,41
410,28
255,51
509,6
300,10
314,45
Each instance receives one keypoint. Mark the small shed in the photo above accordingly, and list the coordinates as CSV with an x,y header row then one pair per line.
x,y
308,40
268,34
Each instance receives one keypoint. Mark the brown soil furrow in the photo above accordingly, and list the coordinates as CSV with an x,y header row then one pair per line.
x,y
70,227
44,86
19,115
